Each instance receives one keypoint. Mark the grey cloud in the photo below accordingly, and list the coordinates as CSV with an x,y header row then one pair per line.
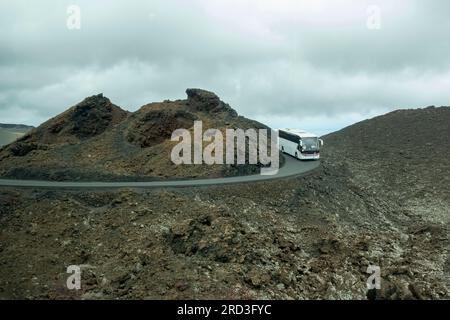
x,y
282,63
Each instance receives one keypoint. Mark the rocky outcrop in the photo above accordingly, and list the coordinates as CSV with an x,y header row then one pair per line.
x,y
96,139
93,116
202,100
89,118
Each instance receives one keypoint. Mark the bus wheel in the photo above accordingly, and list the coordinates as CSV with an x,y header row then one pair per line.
x,y
282,149
296,155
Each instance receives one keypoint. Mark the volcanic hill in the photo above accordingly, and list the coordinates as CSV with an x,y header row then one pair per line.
x,y
97,140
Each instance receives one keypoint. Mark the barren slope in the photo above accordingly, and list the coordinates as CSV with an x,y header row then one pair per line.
x,y
375,200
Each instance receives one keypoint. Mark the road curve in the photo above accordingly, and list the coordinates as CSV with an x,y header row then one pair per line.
x,y
292,167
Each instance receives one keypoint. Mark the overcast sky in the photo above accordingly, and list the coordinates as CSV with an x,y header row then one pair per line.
x,y
316,65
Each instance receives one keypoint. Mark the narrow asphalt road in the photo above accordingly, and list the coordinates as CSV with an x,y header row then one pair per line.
x,y
292,167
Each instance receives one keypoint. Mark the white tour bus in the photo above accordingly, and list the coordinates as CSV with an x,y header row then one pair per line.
x,y
300,144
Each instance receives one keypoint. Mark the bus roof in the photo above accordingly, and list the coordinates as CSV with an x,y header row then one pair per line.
x,y
300,133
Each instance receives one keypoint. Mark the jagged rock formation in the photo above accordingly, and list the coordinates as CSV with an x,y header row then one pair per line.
x,y
89,118
202,100
96,139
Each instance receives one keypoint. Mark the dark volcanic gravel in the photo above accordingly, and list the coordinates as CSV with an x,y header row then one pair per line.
x,y
380,198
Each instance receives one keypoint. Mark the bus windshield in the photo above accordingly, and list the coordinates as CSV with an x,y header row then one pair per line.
x,y
310,143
